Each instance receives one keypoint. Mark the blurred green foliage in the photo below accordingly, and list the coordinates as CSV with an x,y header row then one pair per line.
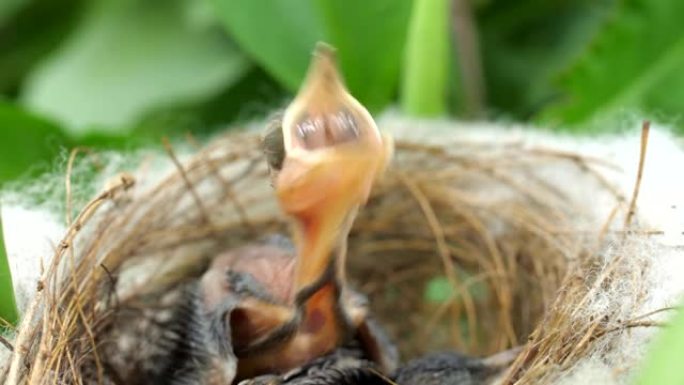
x,y
280,35
440,290
662,364
31,142
8,306
121,73
127,57
424,85
635,62
112,72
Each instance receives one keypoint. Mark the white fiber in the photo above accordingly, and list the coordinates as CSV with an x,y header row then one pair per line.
x,y
31,237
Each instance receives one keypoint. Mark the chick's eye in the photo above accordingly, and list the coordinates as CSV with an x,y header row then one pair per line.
x,y
327,130
273,145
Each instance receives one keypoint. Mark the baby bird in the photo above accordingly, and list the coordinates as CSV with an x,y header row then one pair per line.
x,y
453,368
289,308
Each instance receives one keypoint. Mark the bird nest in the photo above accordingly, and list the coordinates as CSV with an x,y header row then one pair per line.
x,y
471,246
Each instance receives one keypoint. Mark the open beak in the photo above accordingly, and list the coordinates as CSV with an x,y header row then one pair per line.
x,y
327,153
333,153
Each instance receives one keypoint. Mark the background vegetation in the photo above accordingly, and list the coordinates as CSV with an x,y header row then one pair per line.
x,y
122,73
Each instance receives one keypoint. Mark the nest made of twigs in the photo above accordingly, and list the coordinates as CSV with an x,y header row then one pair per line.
x,y
481,217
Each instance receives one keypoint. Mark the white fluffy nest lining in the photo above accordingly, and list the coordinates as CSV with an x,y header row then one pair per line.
x,y
540,223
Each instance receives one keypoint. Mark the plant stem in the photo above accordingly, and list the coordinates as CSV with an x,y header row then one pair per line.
x,y
424,83
469,59
8,305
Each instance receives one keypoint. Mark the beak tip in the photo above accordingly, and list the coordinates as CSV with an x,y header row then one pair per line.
x,y
323,70
325,51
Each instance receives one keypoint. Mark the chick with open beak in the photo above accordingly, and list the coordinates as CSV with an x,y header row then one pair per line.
x,y
333,154
325,155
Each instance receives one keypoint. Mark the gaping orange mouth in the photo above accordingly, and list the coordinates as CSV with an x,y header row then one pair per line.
x,y
332,154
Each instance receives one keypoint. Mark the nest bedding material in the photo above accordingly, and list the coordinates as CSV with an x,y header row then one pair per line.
x,y
529,229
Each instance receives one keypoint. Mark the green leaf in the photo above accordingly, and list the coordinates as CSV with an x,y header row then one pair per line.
x,y
255,96
279,34
636,59
128,57
439,289
527,43
662,364
28,143
8,8
29,35
370,38
425,77
8,304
